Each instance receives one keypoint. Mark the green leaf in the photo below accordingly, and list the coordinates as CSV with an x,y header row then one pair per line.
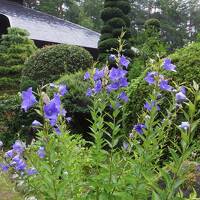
x,y
155,196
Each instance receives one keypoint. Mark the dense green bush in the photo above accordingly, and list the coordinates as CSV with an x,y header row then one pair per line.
x,y
109,13
152,23
136,67
105,36
149,44
106,29
116,20
10,119
15,48
108,44
75,101
14,122
49,63
187,61
123,5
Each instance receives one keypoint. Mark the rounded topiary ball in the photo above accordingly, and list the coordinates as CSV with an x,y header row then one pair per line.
x,y
187,61
108,44
49,63
152,23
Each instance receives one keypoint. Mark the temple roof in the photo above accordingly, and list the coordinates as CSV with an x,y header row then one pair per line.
x,y
44,27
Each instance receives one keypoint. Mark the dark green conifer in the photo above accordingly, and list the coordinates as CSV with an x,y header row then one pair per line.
x,y
116,20
15,48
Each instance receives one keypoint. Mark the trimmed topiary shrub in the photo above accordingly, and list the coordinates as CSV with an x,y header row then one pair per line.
x,y
108,44
109,13
49,63
116,20
149,44
75,101
105,36
15,48
187,61
123,5
106,29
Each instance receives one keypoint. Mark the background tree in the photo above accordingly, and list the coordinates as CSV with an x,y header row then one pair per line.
x,y
178,19
15,48
116,20
149,43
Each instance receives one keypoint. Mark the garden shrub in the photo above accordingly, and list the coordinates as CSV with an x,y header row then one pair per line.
x,y
15,48
152,24
105,36
116,21
108,44
109,13
136,68
76,102
123,5
106,29
11,120
49,63
60,165
149,44
187,61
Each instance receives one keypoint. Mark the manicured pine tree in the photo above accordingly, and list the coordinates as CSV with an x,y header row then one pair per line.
x,y
116,20
15,48
153,43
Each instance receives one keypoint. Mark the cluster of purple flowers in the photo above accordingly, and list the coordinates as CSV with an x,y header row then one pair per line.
x,y
52,108
149,105
154,78
116,78
14,160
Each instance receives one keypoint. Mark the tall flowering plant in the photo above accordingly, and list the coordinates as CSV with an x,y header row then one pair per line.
x,y
43,167
113,165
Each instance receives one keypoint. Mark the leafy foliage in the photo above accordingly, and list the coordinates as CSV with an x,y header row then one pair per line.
x,y
116,20
187,62
149,44
50,63
102,168
15,48
76,102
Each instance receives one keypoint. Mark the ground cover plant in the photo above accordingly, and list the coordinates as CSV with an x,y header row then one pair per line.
x,y
113,164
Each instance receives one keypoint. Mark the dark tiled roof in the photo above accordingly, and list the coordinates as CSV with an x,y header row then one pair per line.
x,y
48,28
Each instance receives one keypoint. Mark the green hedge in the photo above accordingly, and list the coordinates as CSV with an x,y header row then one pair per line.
x,y
49,63
9,83
187,61
13,70
15,47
